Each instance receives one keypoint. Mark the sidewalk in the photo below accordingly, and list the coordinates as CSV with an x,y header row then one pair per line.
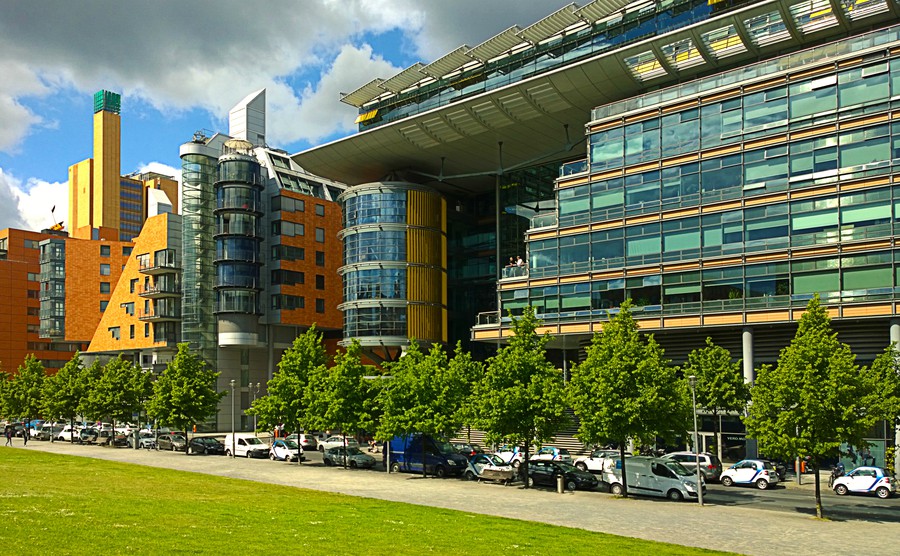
x,y
729,528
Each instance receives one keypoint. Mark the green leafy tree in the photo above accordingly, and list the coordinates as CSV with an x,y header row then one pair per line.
x,y
884,380
427,394
814,399
284,402
5,386
185,392
25,397
88,380
626,389
522,397
720,383
337,397
64,390
120,391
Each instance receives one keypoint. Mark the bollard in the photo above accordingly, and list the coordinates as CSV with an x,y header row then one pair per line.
x,y
560,480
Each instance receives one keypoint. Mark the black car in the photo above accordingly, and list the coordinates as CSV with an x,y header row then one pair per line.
x,y
206,445
546,472
780,468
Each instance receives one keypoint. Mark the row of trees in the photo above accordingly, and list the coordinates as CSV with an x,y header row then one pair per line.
x,y
183,394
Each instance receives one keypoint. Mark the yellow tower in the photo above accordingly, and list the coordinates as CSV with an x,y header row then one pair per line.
x,y
107,165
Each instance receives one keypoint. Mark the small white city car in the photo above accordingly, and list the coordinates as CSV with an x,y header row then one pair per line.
x,y
866,480
750,472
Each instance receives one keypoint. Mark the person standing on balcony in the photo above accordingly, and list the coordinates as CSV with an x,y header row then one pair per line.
x,y
520,263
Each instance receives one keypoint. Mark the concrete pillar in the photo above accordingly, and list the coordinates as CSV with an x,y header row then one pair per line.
x,y
752,449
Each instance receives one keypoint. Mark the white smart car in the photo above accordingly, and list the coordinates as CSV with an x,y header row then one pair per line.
x,y
866,480
750,472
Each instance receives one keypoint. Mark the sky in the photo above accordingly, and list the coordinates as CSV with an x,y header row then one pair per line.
x,y
180,66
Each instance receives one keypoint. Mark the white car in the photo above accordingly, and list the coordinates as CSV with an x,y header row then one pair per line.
x,y
336,441
513,455
491,465
285,450
69,432
750,472
552,453
866,480
595,462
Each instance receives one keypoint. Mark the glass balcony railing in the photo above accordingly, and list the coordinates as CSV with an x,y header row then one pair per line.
x,y
572,168
513,272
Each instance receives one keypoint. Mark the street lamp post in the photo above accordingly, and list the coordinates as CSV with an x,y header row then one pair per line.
x,y
693,382
232,417
255,393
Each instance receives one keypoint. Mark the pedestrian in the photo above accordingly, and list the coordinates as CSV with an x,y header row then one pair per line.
x,y
519,262
8,432
25,433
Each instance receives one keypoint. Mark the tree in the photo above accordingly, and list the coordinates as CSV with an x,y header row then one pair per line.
x,y
64,390
120,391
185,392
814,399
427,393
284,402
522,396
336,397
626,389
720,383
884,379
88,380
25,398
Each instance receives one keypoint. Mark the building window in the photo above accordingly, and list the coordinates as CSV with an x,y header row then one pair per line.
x,y
104,287
31,244
33,294
33,311
114,332
129,308
146,330
320,305
104,250
131,331
320,235
126,251
320,210
320,282
34,277
132,284
103,305
104,270
320,258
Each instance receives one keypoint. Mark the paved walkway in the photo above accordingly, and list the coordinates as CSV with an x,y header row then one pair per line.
x,y
737,529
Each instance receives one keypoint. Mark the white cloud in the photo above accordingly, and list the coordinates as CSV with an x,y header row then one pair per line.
x,y
29,205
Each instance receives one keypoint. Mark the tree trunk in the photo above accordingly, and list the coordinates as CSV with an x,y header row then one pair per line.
x,y
717,432
72,430
624,476
187,442
819,512
524,464
422,440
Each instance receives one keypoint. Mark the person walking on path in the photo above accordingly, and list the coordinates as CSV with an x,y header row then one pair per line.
x,y
8,432
25,436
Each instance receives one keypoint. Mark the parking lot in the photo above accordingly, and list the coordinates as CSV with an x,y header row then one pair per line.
x,y
736,519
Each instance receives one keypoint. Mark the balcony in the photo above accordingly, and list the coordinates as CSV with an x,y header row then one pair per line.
x,y
162,266
160,315
573,168
513,272
158,291
47,295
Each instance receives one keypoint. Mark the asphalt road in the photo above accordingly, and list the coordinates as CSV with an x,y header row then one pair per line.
x,y
738,520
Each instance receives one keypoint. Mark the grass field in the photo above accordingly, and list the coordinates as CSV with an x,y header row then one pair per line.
x,y
55,504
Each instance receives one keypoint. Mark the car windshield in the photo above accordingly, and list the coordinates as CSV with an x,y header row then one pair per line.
x,y
567,467
253,440
290,444
678,468
353,451
444,447
496,460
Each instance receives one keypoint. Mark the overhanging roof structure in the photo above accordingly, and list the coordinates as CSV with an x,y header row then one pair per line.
x,y
459,147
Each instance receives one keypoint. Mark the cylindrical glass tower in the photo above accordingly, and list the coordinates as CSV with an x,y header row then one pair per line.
x,y
238,210
395,271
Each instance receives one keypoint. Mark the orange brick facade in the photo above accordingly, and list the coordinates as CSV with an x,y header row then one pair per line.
x,y
87,262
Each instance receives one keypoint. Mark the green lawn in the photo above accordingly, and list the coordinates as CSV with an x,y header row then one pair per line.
x,y
56,504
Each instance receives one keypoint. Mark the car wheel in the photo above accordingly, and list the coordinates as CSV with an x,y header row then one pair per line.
x,y
395,467
469,476
883,492
617,489
675,495
322,449
352,464
530,482
762,484
228,453
581,465
272,457
173,447
727,481
841,490
515,464
440,472
571,485
327,462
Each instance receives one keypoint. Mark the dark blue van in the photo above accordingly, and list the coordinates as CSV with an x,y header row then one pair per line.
x,y
404,453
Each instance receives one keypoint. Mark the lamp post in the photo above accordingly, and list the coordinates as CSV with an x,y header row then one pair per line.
x,y
255,393
693,382
232,417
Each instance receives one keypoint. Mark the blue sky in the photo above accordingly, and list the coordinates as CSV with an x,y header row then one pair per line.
x,y
181,65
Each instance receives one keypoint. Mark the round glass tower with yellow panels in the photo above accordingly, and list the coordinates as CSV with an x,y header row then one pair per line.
x,y
395,266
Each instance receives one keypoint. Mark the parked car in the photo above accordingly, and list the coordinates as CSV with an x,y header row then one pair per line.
x,y
467,449
512,455
710,466
410,453
335,441
489,466
750,472
48,432
780,468
353,456
866,480
551,453
34,427
245,444
544,472
285,450
650,476
206,445
594,462
68,433
88,435
171,441
305,440
146,440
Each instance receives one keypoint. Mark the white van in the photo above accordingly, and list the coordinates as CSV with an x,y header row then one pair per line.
x,y
246,445
650,476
